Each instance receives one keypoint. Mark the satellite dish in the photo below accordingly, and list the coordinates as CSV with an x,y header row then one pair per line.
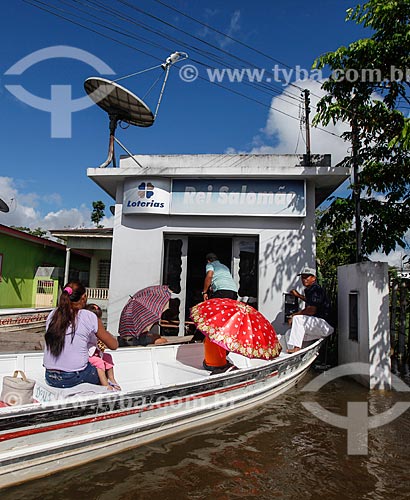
x,y
124,106
112,209
3,206
119,102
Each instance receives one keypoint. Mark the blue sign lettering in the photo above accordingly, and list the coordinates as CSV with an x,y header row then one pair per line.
x,y
236,197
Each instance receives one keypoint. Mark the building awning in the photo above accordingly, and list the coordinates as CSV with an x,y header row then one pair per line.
x,y
326,179
86,238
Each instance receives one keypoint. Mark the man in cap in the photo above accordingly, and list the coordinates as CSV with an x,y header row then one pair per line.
x,y
219,280
311,322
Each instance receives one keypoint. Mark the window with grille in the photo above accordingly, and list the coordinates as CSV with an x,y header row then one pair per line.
x,y
45,287
103,274
354,316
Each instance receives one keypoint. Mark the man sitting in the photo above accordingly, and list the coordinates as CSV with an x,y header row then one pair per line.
x,y
311,322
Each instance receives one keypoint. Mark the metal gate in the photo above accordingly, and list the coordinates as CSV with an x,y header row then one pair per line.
x,y
45,293
400,321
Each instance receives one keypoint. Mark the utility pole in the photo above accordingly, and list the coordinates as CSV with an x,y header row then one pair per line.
x,y
356,190
306,93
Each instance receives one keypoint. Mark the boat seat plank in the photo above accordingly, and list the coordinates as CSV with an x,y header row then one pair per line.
x,y
172,374
44,393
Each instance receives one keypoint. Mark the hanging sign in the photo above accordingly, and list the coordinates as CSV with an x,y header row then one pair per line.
x,y
262,197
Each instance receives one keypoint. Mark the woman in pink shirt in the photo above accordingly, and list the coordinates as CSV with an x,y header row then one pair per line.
x,y
70,331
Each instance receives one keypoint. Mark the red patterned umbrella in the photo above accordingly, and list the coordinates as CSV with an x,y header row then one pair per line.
x,y
143,309
237,327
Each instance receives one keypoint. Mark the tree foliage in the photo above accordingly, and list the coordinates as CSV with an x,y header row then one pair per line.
x,y
367,88
35,232
98,213
334,247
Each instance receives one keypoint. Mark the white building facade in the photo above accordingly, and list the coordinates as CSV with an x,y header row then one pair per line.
x,y
256,212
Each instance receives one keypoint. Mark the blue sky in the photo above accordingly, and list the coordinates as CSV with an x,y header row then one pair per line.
x,y
44,179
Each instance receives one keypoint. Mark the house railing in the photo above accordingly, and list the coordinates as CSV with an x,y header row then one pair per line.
x,y
97,293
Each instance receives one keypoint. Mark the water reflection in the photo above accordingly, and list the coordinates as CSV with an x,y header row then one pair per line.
x,y
275,451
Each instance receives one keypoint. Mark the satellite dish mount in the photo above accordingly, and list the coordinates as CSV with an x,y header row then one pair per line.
x,y
124,106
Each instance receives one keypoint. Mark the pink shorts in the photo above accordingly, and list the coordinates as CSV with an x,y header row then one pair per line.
x,y
104,363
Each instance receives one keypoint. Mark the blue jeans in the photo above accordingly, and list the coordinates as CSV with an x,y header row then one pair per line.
x,y
224,294
63,380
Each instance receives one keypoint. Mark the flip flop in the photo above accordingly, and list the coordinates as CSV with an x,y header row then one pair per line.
x,y
116,387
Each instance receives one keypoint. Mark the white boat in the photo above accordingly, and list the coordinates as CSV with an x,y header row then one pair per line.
x,y
22,329
164,390
21,320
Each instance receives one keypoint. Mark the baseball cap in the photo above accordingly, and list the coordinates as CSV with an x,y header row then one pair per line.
x,y
308,270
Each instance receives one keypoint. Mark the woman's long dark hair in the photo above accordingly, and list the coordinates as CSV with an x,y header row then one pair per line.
x,y
64,316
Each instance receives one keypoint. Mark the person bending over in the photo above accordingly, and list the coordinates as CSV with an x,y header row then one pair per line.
x,y
219,280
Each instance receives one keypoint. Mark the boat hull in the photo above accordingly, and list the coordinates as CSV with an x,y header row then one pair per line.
x,y
37,440
22,329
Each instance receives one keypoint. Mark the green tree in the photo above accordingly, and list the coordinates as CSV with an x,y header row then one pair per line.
x,y
98,213
334,247
367,88
35,232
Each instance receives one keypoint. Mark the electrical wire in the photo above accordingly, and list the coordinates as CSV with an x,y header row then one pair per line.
x,y
158,19
125,2
243,44
269,89
43,6
100,7
34,3
239,42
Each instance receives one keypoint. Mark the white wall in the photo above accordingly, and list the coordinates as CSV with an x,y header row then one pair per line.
x,y
285,246
370,281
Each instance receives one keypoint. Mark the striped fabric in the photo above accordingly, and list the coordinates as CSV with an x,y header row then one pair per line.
x,y
143,309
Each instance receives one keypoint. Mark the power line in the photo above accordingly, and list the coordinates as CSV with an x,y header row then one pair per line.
x,y
257,51
35,3
127,34
141,11
100,7
212,28
220,32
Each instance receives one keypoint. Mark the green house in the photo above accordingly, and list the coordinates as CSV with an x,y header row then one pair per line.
x,y
32,268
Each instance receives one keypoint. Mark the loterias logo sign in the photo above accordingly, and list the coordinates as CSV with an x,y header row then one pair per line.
x,y
149,196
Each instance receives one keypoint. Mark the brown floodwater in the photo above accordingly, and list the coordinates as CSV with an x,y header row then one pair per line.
x,y
276,451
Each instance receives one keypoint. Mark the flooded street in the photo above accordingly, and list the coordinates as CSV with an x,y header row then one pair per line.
x,y
279,450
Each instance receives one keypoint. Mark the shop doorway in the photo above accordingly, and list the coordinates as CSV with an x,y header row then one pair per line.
x,y
184,272
198,248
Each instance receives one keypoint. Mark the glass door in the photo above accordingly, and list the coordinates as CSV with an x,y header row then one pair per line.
x,y
174,275
245,253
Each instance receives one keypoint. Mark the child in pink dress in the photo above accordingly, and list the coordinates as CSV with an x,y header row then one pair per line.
x,y
102,360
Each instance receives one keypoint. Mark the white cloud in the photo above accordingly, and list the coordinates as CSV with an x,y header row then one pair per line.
x,y
282,135
25,210
107,221
234,27
221,40
394,258
68,218
287,136
205,32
